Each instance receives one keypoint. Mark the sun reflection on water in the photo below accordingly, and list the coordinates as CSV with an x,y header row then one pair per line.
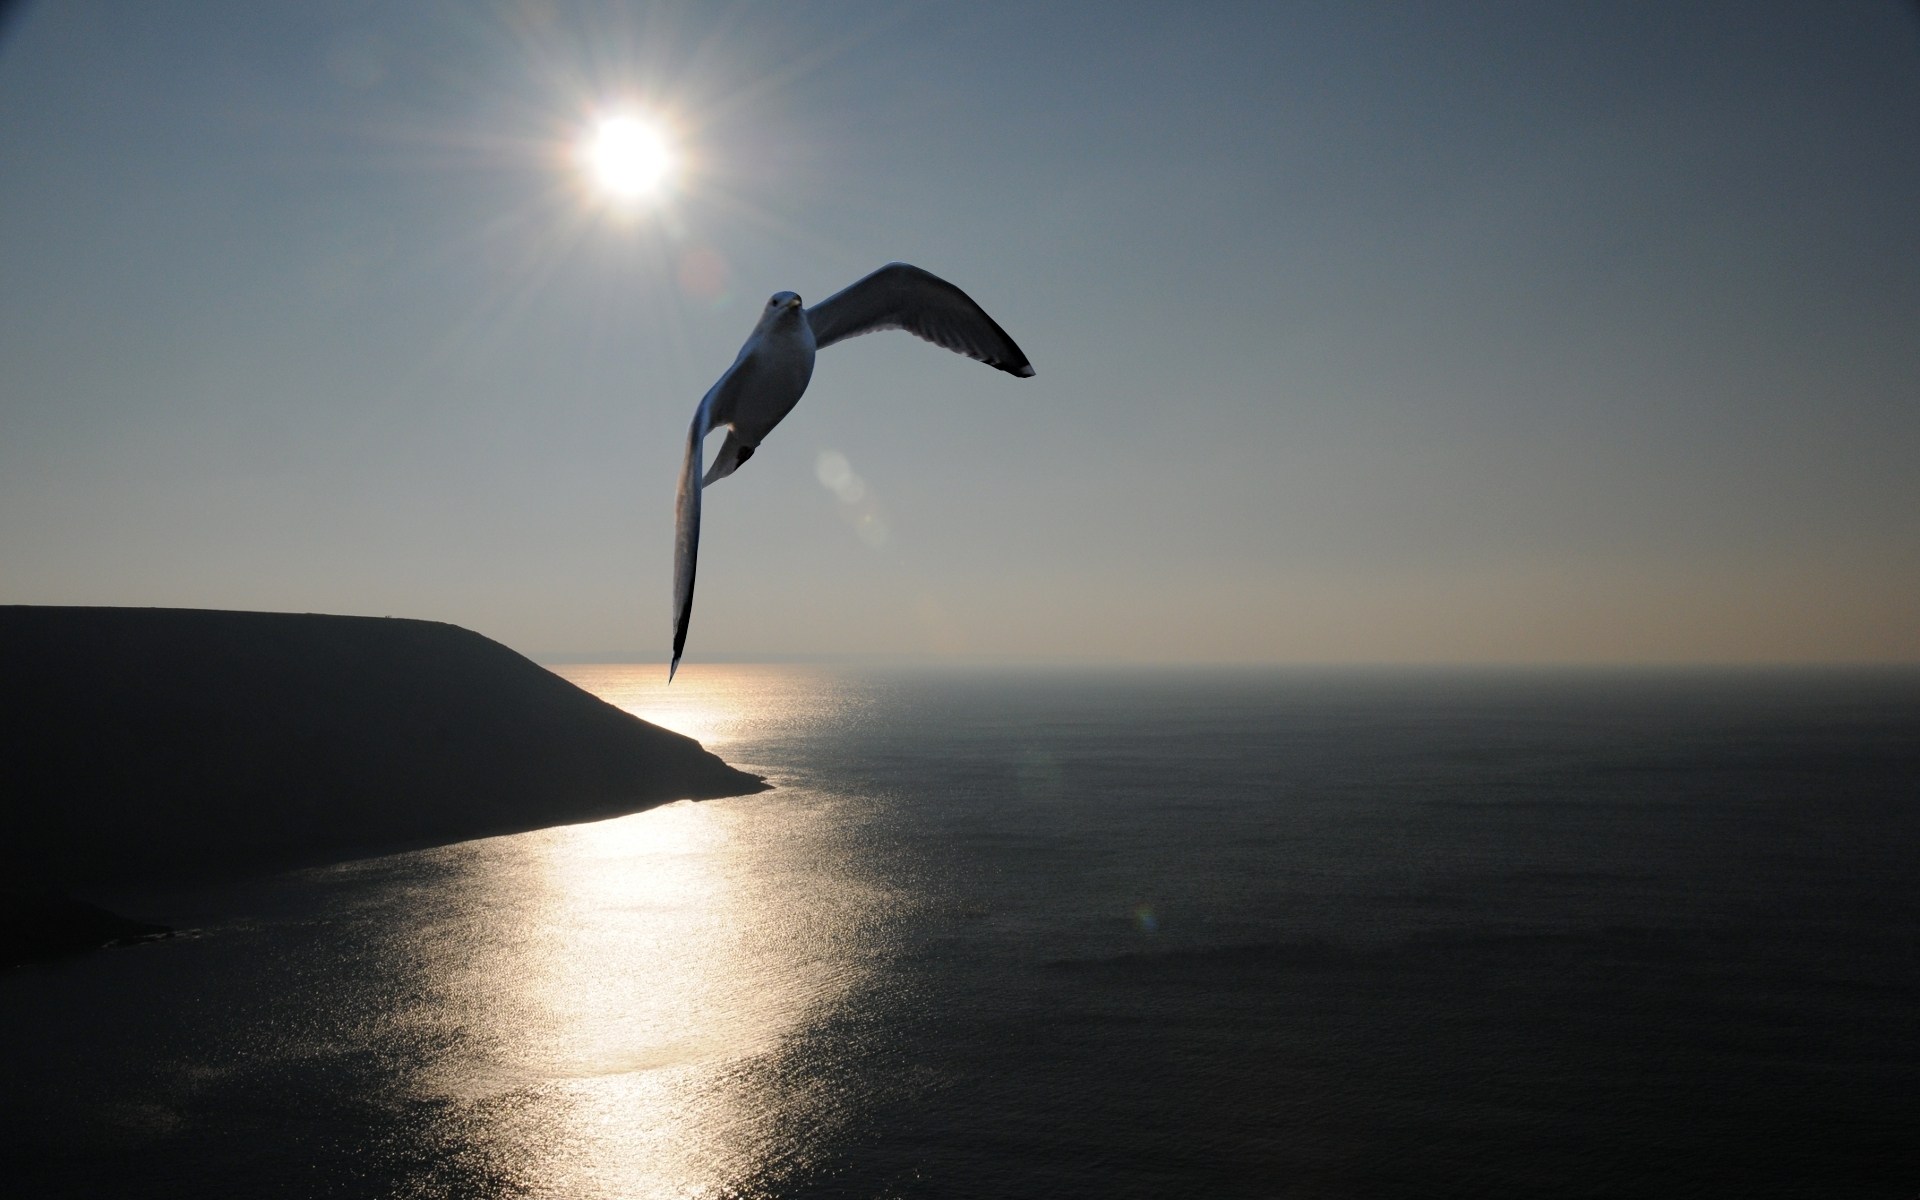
x,y
715,704
621,992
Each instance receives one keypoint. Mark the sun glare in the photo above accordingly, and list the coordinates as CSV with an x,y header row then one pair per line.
x,y
627,159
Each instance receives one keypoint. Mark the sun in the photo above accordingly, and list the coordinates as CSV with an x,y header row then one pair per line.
x,y
626,158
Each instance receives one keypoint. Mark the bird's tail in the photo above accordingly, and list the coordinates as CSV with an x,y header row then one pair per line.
x,y
732,453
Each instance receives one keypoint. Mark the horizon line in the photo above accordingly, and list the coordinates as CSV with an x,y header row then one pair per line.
x,y
1015,662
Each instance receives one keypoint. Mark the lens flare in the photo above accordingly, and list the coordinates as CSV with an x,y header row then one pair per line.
x,y
858,506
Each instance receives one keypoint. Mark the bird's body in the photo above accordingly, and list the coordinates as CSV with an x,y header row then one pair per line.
x,y
775,365
763,384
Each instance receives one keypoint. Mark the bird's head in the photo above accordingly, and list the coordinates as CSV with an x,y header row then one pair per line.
x,y
781,308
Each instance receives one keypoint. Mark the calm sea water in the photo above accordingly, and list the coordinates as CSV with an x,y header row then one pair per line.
x,y
1049,934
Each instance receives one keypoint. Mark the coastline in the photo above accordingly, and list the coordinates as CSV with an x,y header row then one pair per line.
x,y
163,746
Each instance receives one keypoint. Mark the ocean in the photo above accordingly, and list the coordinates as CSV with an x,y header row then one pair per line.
x,y
1224,933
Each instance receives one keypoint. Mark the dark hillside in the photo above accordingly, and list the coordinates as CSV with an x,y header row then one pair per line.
x,y
160,744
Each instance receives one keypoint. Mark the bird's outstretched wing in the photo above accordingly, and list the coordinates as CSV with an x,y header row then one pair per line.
x,y
901,296
686,526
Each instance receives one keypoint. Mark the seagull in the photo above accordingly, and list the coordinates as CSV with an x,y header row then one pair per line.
x,y
771,373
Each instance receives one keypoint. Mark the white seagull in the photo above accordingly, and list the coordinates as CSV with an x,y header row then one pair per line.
x,y
771,374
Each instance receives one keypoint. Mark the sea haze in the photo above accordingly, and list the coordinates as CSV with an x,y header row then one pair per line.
x,y
1045,933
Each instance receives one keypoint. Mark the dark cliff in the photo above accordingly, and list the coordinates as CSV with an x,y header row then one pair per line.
x,y
170,744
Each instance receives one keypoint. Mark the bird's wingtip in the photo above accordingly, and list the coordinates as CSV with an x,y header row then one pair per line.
x,y
1024,370
672,667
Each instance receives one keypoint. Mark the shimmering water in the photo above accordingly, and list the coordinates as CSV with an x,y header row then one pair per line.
x,y
1096,934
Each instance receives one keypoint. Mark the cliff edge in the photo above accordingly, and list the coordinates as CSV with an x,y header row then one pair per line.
x,y
172,744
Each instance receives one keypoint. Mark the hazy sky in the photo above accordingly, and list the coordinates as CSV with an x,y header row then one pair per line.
x,y
1365,332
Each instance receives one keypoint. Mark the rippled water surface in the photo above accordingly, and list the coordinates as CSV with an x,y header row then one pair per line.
x,y
1099,933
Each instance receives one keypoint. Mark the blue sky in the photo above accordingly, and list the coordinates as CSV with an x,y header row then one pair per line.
x,y
1379,333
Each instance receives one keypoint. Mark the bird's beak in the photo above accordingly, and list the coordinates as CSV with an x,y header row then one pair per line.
x,y
794,302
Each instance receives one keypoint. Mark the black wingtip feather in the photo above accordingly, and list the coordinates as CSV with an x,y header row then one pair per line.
x,y
680,637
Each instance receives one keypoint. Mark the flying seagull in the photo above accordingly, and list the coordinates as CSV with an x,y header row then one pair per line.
x,y
771,374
